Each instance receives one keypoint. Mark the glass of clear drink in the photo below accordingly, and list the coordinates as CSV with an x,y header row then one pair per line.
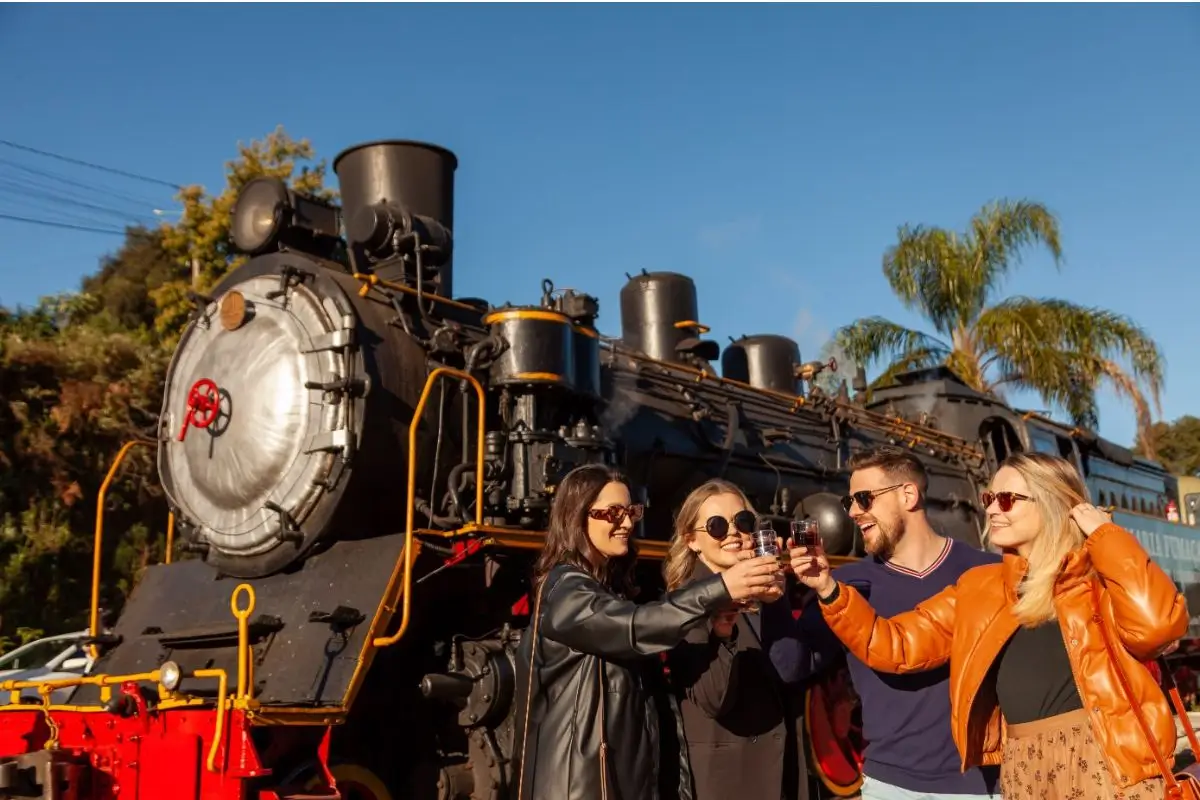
x,y
766,543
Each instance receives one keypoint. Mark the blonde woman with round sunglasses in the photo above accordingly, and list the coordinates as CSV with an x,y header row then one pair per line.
x,y
737,679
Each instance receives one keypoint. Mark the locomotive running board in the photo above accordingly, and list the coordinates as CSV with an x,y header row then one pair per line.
x,y
309,628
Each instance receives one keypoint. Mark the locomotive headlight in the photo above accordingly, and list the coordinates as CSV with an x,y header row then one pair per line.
x,y
169,675
268,213
259,214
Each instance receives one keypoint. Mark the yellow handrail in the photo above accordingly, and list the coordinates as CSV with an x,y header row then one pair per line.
x,y
385,641
94,625
97,544
170,536
219,729
46,688
244,688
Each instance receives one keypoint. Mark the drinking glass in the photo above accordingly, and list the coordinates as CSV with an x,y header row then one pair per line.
x,y
766,543
806,533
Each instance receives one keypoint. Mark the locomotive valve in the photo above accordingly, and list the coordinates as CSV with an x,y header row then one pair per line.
x,y
203,403
813,368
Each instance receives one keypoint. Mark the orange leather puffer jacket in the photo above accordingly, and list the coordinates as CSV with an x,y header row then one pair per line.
x,y
969,623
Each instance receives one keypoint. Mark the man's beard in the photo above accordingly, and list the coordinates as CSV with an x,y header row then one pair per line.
x,y
883,543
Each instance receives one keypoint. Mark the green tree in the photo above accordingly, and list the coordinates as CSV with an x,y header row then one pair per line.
x,y
126,280
74,393
80,375
202,235
1060,350
1176,444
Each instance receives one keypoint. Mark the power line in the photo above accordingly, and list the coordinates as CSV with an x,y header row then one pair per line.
x,y
138,201
69,226
89,164
25,193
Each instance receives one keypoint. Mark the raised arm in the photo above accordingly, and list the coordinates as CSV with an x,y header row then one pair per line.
x,y
1149,611
914,641
585,616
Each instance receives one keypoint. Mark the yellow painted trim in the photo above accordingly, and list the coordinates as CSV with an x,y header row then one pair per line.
x,y
504,315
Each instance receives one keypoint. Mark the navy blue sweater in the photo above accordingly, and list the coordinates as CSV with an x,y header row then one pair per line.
x,y
906,718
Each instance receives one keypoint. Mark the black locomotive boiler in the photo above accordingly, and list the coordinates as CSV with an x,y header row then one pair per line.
x,y
375,458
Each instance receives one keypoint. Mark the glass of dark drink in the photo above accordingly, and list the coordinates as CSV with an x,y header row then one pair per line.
x,y
806,533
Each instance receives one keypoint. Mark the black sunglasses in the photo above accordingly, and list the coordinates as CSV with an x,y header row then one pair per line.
x,y
718,527
1004,499
866,498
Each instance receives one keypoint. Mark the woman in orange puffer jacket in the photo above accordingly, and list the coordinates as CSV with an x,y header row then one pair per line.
x,y
1033,683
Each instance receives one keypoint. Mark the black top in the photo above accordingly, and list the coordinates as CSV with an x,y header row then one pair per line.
x,y
1034,678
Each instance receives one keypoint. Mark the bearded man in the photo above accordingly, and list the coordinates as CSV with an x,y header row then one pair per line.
x,y
906,718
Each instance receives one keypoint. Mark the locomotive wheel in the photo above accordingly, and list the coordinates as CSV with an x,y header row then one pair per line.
x,y
356,782
834,758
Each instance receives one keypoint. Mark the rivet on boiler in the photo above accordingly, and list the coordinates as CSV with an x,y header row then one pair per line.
x,y
236,310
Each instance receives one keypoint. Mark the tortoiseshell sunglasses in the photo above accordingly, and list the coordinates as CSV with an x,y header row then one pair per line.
x,y
615,513
1004,499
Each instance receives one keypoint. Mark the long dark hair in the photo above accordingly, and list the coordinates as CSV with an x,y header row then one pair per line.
x,y
567,541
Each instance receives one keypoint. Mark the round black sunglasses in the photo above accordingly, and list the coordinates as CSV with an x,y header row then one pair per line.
x,y
718,527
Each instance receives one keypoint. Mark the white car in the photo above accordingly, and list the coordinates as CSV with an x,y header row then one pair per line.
x,y
48,659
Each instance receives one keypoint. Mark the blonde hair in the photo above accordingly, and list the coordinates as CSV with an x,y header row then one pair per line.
x,y
1056,487
681,560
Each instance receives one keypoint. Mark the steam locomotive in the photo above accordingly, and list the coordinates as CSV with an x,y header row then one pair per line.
x,y
360,467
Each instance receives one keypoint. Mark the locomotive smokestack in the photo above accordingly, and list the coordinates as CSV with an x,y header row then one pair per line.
x,y
397,195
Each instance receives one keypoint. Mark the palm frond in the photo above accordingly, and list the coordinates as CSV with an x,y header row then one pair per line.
x,y
923,268
872,339
1107,336
1065,352
998,233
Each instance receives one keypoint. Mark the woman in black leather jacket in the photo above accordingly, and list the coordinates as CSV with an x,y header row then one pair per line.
x,y
586,721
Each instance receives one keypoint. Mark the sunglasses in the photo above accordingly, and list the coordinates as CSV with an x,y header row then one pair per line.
x,y
616,513
718,527
866,498
1004,499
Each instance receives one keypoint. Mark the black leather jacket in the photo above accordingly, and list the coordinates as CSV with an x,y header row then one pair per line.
x,y
589,637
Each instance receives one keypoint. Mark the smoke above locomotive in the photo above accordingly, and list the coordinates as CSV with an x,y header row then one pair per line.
x,y
288,403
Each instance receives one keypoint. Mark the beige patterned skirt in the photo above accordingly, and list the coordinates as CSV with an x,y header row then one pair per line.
x,y
1057,759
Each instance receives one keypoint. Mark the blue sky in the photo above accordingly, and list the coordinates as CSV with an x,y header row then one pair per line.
x,y
768,151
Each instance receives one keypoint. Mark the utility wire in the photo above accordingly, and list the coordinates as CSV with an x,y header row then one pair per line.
x,y
89,164
67,225
24,192
138,201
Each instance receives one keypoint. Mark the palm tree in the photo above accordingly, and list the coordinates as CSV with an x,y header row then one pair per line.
x,y
1060,350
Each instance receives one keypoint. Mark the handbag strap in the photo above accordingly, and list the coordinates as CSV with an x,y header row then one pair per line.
x,y
603,732
537,607
1177,701
1164,768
